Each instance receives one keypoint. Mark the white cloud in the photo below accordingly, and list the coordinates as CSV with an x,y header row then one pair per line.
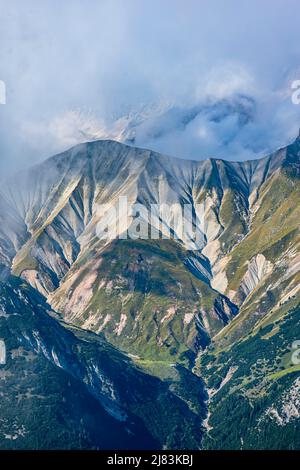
x,y
142,69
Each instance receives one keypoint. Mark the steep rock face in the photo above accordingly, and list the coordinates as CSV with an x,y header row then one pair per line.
x,y
164,302
274,234
13,233
58,206
59,198
258,268
65,388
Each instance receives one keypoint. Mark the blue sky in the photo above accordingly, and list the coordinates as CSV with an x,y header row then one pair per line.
x,y
189,78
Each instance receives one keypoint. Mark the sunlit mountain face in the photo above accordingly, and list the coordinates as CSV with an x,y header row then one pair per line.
x,y
149,225
149,342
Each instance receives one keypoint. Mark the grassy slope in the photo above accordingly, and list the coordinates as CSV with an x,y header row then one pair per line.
x,y
145,280
274,233
254,352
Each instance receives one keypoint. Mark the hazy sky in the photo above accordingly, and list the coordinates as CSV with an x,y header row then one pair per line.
x,y
189,78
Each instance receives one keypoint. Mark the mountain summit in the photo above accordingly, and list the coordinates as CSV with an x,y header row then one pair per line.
x,y
167,306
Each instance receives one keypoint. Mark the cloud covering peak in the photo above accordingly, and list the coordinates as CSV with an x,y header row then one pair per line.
x,y
188,78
